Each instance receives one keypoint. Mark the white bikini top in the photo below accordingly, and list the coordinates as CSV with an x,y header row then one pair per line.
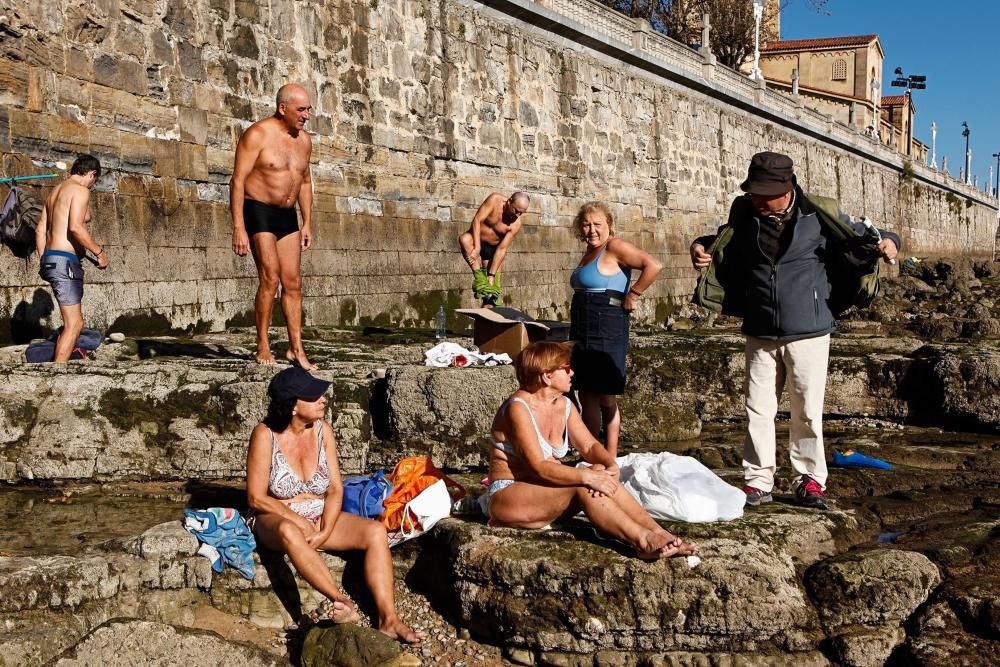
x,y
548,451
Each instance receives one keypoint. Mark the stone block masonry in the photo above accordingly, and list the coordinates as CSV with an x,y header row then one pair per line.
x,y
421,109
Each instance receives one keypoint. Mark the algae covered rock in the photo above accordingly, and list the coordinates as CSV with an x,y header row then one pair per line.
x,y
567,591
349,645
867,648
165,540
872,588
676,381
54,582
955,388
941,640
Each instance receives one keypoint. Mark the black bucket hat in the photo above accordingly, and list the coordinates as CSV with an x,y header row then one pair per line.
x,y
770,175
296,383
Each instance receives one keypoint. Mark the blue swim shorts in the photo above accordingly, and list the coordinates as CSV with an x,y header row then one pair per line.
x,y
64,272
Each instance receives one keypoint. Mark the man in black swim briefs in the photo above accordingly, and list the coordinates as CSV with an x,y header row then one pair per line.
x,y
271,174
260,217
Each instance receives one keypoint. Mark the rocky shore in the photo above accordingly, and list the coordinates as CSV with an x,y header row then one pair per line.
x,y
903,569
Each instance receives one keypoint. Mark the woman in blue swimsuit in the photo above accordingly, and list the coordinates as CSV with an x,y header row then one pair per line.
x,y
603,299
530,487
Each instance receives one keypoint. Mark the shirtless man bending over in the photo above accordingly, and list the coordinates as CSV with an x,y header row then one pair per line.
x,y
271,174
62,238
485,245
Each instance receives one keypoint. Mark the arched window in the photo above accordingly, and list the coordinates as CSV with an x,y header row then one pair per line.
x,y
840,70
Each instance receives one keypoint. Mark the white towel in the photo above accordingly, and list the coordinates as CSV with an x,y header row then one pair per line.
x,y
443,355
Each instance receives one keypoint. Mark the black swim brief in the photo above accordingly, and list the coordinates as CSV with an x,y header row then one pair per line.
x,y
260,217
487,250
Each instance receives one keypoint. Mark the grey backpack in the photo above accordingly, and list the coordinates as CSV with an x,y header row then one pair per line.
x,y
18,219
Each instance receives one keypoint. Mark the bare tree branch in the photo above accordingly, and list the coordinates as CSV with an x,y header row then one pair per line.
x,y
732,22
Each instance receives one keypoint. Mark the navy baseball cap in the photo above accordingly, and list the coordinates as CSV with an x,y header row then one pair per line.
x,y
295,382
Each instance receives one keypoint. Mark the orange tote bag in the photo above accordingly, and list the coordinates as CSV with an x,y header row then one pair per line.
x,y
411,476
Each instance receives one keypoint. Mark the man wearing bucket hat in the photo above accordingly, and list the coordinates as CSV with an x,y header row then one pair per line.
x,y
776,265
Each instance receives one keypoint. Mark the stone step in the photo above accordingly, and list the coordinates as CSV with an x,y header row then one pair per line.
x,y
189,417
135,641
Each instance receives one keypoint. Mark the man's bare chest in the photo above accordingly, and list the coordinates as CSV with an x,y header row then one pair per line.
x,y
497,226
285,156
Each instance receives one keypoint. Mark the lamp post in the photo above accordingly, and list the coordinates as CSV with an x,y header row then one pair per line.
x,y
968,153
996,193
758,14
934,146
875,119
911,82
996,232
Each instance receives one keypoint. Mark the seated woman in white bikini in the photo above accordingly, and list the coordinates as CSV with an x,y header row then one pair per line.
x,y
530,487
295,493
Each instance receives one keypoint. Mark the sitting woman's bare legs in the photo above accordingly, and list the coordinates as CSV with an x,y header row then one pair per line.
x,y
354,533
351,533
279,534
525,505
637,513
608,515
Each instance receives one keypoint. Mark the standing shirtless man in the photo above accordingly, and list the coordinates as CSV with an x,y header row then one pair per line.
x,y
485,245
62,238
270,174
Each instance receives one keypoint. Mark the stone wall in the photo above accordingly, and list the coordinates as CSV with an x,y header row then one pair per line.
x,y
421,109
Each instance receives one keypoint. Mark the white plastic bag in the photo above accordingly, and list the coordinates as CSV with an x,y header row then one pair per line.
x,y
679,488
430,506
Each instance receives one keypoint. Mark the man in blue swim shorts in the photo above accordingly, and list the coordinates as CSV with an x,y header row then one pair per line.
x,y
62,237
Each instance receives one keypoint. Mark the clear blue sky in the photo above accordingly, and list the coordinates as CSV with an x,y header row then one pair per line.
x,y
955,44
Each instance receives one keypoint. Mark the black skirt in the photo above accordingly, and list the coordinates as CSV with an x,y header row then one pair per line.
x,y
599,326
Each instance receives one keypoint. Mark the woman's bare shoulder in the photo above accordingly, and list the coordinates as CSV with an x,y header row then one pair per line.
x,y
260,433
518,402
617,244
327,431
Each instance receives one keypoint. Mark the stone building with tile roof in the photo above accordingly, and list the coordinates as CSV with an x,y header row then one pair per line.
x,y
835,76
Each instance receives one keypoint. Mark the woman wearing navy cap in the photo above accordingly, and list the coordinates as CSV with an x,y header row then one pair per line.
x,y
295,492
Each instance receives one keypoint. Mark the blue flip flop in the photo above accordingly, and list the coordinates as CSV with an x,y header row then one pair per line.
x,y
852,459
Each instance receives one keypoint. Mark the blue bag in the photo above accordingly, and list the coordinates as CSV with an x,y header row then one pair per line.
x,y
41,351
364,496
89,339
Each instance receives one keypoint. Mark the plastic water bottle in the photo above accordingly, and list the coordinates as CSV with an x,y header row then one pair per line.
x,y
440,321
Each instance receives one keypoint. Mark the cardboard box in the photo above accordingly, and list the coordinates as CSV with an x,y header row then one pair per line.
x,y
499,330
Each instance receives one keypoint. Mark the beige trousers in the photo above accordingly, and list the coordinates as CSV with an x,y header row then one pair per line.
x,y
771,365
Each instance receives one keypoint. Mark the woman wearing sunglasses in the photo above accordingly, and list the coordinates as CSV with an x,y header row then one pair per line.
x,y
530,487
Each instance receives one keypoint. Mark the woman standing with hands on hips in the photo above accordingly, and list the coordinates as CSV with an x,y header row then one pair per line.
x,y
603,299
